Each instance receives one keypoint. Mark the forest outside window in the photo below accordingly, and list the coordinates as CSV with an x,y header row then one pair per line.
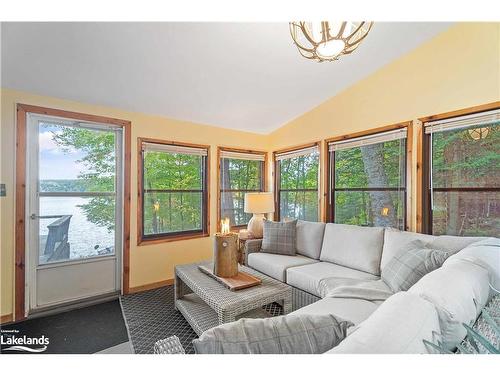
x,y
368,180
297,184
174,191
241,172
462,175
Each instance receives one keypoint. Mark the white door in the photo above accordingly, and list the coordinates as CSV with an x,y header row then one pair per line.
x,y
74,211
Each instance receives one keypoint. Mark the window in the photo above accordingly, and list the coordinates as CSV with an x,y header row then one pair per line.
x,y
297,183
240,172
462,175
368,180
174,190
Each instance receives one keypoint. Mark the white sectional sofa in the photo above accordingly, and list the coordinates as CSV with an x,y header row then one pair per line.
x,y
337,271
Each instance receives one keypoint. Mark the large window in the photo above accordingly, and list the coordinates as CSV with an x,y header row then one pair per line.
x,y
174,191
241,172
462,176
297,184
368,180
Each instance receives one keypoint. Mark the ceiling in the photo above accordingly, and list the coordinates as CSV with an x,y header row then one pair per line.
x,y
245,76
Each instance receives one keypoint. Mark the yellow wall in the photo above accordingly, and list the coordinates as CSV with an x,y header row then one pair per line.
x,y
457,69
148,263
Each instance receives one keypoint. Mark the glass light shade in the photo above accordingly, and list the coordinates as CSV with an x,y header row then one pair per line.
x,y
328,40
259,203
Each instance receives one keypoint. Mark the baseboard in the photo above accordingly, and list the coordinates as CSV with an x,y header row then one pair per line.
x,y
6,318
143,288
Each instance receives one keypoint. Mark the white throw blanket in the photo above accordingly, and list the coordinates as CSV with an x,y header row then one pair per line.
x,y
371,290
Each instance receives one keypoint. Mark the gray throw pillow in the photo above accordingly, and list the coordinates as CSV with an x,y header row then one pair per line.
x,y
411,263
288,334
279,237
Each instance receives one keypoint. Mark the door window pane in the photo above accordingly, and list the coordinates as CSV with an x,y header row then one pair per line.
x,y
73,159
73,228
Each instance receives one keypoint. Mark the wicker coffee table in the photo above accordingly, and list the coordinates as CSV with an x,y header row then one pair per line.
x,y
205,303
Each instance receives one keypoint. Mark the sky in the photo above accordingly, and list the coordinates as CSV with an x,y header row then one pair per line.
x,y
54,163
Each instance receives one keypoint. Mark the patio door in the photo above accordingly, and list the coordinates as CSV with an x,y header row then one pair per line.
x,y
74,211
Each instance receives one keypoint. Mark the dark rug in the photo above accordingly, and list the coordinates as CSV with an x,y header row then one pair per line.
x,y
83,331
151,316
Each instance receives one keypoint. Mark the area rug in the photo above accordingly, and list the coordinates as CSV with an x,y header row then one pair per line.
x,y
151,316
82,331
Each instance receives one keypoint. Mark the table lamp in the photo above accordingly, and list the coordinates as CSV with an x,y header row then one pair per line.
x,y
258,204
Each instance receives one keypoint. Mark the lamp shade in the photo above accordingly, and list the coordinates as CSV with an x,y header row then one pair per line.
x,y
259,203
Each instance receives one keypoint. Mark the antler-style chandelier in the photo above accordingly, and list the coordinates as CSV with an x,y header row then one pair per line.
x,y
327,41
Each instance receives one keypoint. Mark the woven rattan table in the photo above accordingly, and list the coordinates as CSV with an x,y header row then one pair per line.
x,y
205,303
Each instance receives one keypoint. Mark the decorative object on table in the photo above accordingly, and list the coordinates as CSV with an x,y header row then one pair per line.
x,y
225,252
170,345
483,337
280,237
242,280
258,204
327,41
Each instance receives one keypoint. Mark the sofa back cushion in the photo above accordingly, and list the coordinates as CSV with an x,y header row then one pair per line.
x,y
310,238
459,290
353,246
395,240
398,326
484,253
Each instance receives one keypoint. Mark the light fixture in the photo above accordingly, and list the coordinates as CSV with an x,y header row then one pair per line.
x,y
479,133
326,40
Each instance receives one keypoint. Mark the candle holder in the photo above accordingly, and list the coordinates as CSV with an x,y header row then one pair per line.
x,y
225,252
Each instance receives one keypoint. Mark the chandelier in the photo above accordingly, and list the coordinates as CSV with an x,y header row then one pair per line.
x,y
327,41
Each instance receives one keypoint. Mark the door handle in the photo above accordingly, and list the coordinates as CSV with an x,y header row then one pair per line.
x,y
35,216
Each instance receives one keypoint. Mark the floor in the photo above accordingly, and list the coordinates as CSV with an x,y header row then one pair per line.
x,y
85,330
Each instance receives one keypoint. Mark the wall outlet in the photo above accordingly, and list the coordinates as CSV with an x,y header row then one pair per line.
x,y
3,190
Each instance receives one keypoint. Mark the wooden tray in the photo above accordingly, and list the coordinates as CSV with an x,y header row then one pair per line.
x,y
241,281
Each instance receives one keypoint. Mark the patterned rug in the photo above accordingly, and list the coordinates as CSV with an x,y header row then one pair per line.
x,y
151,316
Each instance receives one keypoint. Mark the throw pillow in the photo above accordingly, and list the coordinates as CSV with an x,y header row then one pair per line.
x,y
288,334
279,237
410,264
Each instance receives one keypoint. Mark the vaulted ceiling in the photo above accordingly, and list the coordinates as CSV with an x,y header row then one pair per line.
x,y
245,76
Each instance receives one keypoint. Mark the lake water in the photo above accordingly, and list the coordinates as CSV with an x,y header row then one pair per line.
x,y
83,235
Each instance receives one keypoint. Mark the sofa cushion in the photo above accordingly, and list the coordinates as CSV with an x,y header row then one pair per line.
x,y
310,238
459,290
279,237
485,253
352,309
398,326
410,264
289,334
353,246
309,277
395,239
275,265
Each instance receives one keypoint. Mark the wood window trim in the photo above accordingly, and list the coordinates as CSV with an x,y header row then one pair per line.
x,y
205,232
236,228
20,197
424,212
276,172
329,179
